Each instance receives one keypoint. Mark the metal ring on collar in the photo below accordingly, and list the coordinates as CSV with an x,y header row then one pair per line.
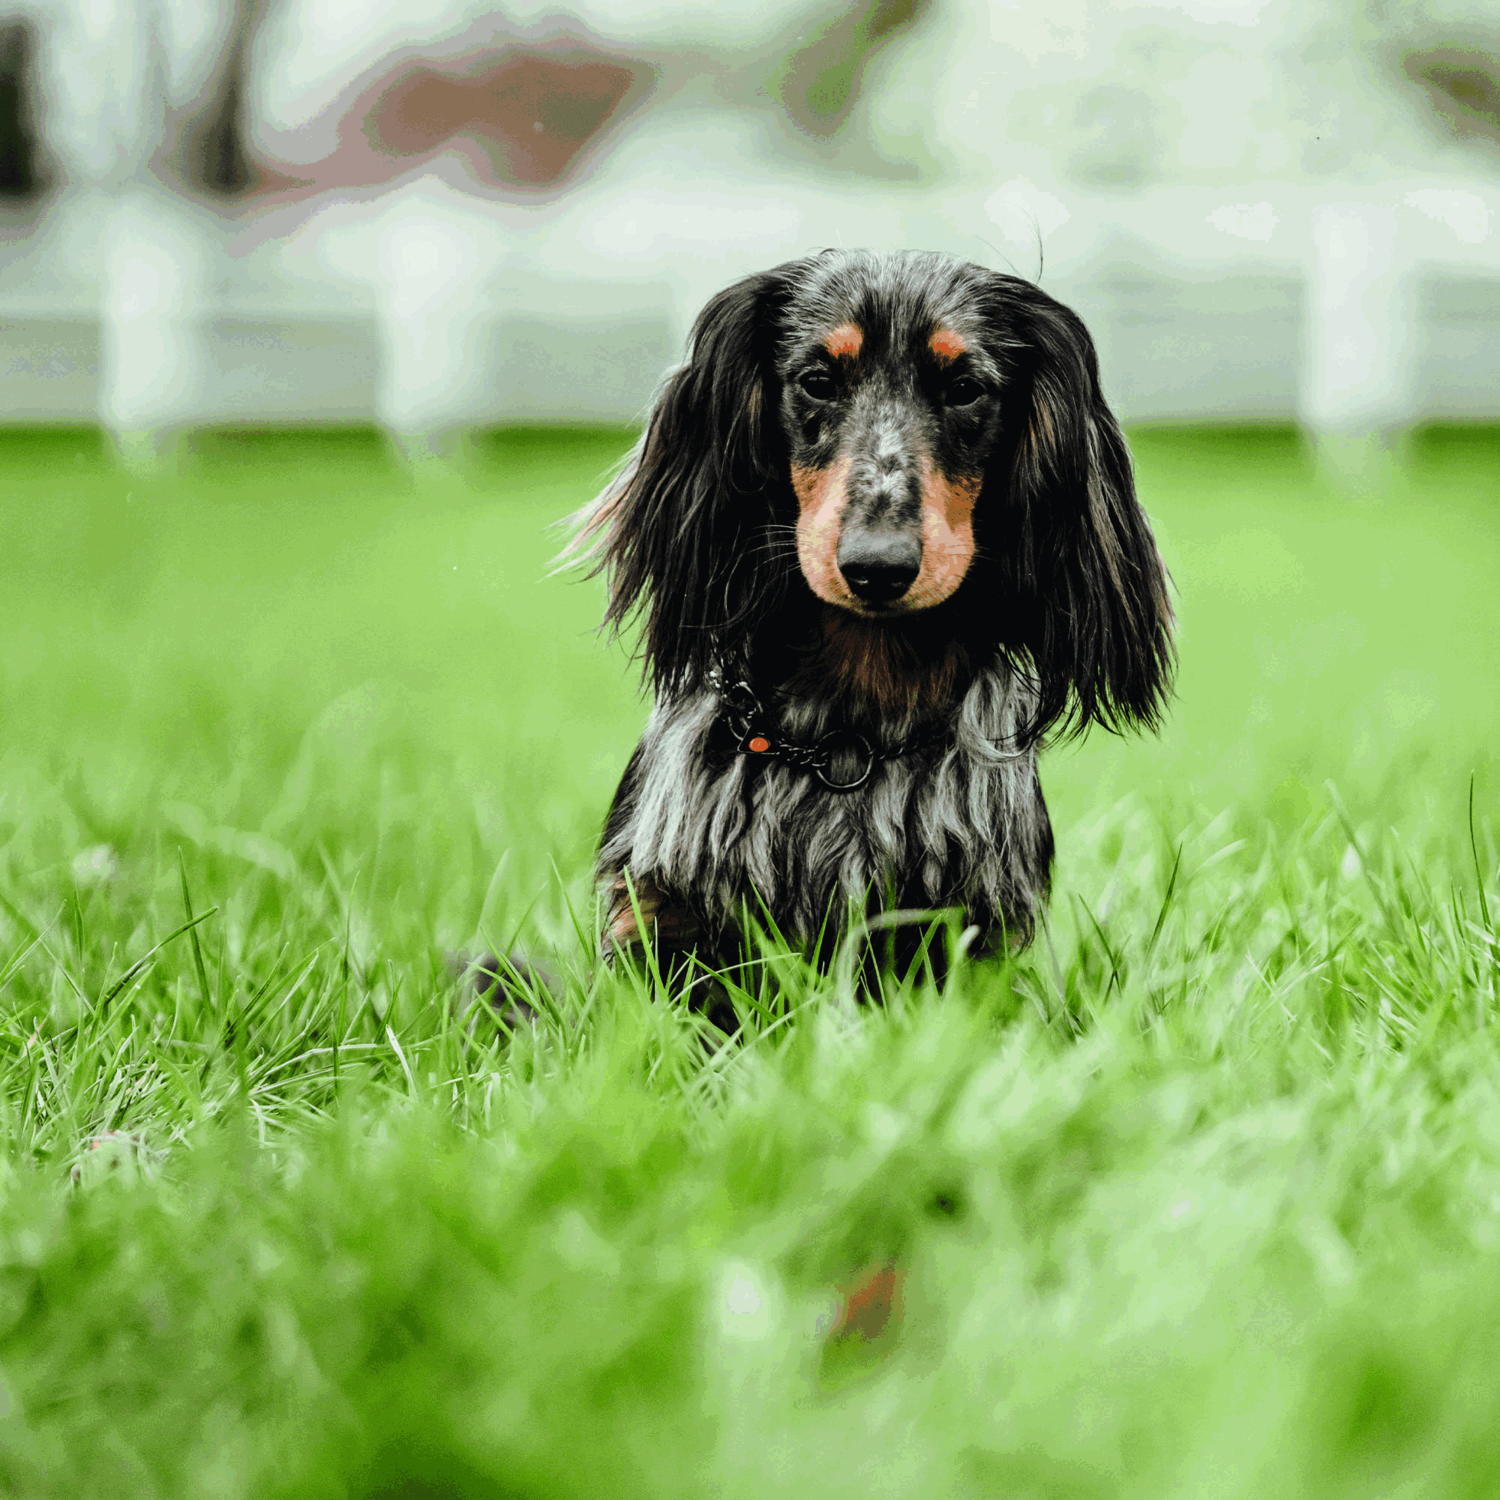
x,y
820,766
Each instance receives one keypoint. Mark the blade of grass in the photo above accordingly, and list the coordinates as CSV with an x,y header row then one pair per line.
x,y
1484,905
1166,902
187,911
148,956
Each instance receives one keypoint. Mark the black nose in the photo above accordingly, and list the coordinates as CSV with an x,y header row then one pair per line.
x,y
880,568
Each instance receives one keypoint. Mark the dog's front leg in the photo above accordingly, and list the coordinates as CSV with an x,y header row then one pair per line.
x,y
640,913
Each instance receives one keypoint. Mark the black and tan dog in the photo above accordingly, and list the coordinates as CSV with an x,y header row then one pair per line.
x,y
883,534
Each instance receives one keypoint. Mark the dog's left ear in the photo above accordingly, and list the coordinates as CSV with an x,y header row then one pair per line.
x,y
1089,585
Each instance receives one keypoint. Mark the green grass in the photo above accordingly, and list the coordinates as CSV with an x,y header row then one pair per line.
x,y
1200,1197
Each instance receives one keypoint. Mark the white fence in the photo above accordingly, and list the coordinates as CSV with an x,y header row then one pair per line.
x,y
430,313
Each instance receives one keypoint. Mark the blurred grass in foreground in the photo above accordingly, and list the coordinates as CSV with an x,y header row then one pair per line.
x,y
1200,1196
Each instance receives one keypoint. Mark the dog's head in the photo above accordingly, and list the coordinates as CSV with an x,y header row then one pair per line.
x,y
910,440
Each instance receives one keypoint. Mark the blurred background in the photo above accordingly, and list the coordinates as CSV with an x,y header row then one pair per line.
x,y
446,216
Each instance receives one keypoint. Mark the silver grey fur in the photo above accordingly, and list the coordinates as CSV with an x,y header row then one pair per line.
x,y
960,824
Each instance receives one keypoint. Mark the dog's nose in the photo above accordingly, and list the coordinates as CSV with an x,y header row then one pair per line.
x,y
879,569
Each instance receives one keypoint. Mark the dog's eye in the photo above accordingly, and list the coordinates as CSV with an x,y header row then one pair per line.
x,y
818,384
964,391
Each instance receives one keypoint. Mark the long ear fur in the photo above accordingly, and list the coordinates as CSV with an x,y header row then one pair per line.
x,y
1090,586
682,532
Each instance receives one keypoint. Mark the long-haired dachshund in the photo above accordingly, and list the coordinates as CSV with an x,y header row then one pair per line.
x,y
884,536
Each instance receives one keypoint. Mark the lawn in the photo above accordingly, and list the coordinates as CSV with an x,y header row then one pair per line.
x,y
1200,1196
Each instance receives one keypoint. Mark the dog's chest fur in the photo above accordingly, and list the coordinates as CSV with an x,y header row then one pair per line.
x,y
961,823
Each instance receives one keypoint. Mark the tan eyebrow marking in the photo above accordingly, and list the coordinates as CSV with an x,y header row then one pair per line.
x,y
947,344
845,341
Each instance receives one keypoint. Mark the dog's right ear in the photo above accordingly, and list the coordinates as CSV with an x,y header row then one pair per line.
x,y
680,531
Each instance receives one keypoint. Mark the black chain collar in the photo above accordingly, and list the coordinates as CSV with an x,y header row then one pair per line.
x,y
756,737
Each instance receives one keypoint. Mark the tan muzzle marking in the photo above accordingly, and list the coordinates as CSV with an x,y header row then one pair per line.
x,y
947,536
822,495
